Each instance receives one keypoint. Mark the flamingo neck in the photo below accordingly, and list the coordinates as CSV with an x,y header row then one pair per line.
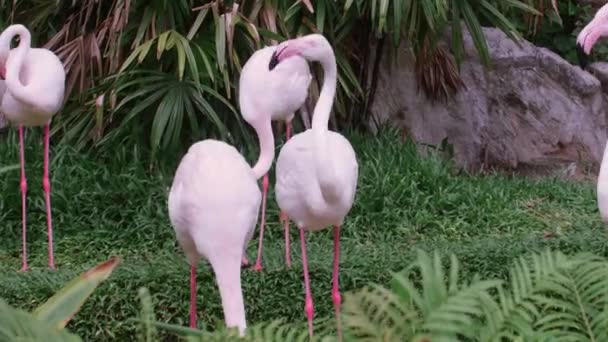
x,y
322,109
15,61
263,128
229,282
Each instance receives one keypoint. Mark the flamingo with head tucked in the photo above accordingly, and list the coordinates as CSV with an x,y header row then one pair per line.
x,y
35,86
265,96
316,170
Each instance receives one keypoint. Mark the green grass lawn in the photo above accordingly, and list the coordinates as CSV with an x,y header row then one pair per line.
x,y
105,205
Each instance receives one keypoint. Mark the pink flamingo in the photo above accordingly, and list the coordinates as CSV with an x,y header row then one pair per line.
x,y
266,96
35,85
316,170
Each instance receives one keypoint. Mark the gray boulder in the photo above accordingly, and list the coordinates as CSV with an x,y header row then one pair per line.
x,y
531,107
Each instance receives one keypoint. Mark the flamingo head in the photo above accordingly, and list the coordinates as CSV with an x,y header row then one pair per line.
x,y
311,47
591,33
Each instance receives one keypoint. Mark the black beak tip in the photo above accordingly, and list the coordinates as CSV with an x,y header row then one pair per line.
x,y
274,61
583,59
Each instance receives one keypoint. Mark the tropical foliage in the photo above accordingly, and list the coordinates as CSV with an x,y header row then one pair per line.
x,y
48,321
167,71
548,296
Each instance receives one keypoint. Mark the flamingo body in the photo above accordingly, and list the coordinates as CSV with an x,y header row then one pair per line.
x,y
297,187
42,77
213,206
272,95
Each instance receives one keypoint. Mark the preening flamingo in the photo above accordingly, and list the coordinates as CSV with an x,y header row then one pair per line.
x,y
265,96
316,170
35,86
589,35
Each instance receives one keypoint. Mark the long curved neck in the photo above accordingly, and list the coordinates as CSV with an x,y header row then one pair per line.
x,y
322,109
15,62
325,170
263,128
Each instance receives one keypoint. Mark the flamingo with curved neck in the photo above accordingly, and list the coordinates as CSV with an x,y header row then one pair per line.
x,y
35,86
266,96
316,170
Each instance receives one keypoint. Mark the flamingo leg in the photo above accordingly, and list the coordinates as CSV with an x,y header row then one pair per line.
x,y
335,290
193,296
46,185
23,186
282,216
258,262
308,305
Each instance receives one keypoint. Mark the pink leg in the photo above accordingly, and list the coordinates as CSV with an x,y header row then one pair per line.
x,y
258,262
23,186
46,185
308,305
282,216
193,296
335,291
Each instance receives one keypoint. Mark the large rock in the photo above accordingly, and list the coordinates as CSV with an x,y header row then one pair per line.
x,y
531,107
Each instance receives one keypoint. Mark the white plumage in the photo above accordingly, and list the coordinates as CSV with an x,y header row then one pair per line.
x,y
213,207
299,170
265,96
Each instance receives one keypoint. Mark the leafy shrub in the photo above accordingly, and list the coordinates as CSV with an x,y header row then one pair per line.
x,y
165,72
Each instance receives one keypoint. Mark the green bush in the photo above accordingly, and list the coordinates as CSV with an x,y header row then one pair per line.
x,y
165,72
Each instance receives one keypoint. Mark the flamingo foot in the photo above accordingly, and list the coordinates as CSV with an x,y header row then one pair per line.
x,y
24,268
257,267
244,262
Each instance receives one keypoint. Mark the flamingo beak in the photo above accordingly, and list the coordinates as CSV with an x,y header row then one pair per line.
x,y
274,61
583,59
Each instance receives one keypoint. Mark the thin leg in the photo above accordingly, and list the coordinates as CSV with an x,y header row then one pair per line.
x,y
285,220
193,296
335,290
258,262
308,305
23,186
282,216
46,185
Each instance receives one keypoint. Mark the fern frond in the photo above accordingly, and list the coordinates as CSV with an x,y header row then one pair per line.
x,y
577,299
517,309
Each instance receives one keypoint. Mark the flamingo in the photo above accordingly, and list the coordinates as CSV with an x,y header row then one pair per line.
x,y
266,96
589,35
317,170
35,86
213,206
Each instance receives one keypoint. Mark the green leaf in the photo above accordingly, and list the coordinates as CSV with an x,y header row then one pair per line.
x,y
63,305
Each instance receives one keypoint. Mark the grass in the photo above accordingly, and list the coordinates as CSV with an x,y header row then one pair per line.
x,y
106,205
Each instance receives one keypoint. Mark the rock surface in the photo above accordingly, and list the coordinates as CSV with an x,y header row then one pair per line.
x,y
531,107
